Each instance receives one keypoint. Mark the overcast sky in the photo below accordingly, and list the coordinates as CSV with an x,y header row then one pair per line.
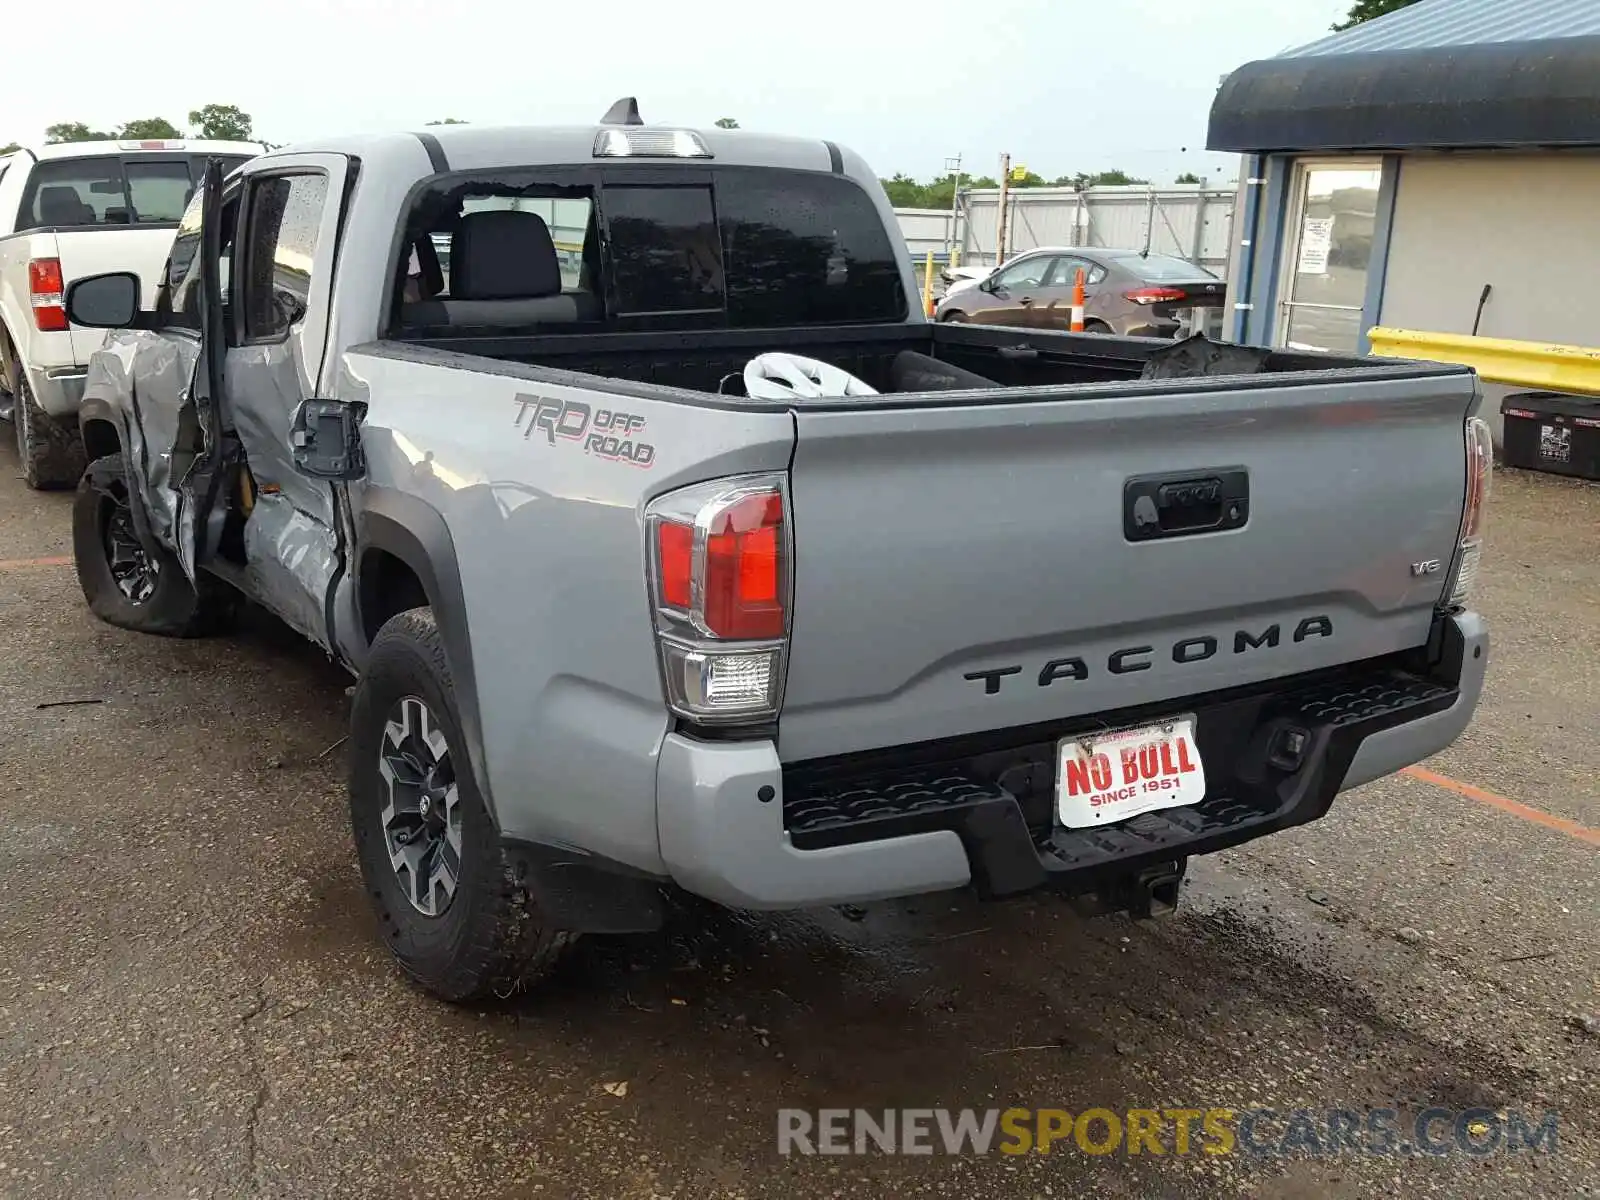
x,y
1064,85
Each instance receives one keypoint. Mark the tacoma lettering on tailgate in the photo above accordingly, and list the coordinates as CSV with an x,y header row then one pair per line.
x,y
1137,658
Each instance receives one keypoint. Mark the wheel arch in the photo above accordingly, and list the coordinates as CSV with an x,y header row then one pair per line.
x,y
100,427
100,438
405,555
580,891
10,356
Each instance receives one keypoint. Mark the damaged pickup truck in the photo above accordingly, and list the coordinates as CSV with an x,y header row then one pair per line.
x,y
671,545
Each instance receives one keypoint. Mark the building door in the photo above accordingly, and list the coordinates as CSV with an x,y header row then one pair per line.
x,y
1333,211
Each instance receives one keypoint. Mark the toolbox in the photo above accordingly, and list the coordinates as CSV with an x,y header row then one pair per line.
x,y
1552,431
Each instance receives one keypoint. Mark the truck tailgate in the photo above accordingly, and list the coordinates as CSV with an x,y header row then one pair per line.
x,y
962,567
110,248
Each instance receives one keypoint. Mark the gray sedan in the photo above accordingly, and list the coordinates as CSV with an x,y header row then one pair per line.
x,y
1125,292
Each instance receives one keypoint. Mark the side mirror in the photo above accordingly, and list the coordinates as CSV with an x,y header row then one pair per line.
x,y
290,310
109,301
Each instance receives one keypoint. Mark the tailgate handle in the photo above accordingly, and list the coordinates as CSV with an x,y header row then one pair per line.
x,y
1173,505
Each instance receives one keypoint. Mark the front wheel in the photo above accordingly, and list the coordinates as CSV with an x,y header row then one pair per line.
x,y
449,900
954,317
127,584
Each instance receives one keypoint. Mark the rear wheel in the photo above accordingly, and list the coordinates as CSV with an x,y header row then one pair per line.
x,y
50,450
450,901
1096,327
127,584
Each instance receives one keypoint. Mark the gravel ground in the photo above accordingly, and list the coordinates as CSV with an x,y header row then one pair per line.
x,y
193,1001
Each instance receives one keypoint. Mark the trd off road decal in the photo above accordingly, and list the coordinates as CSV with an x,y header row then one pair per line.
x,y
603,432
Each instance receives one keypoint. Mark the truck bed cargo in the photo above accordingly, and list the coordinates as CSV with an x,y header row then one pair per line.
x,y
1005,358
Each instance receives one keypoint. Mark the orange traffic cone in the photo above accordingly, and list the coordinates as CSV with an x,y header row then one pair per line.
x,y
1077,303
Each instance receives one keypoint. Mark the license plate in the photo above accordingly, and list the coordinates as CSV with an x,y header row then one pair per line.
x,y
1108,777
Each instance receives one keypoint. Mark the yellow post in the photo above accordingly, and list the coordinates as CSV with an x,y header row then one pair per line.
x,y
927,285
955,256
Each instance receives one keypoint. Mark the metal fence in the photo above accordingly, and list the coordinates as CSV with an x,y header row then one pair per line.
x,y
1190,221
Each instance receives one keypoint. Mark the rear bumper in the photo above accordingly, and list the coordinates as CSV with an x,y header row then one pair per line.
x,y
57,390
739,827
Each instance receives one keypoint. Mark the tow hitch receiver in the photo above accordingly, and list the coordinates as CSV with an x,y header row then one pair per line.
x,y
1143,895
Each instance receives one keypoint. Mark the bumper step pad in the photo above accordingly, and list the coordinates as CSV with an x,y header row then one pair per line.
x,y
1000,801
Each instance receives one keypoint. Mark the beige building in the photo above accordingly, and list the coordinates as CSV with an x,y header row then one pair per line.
x,y
1436,169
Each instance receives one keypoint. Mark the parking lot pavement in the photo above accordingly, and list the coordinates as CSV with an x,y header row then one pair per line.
x,y
193,1002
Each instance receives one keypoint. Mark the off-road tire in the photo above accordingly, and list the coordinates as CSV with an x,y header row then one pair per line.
x,y
492,938
50,450
174,608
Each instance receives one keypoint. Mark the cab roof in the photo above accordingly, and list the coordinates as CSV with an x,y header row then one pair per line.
x,y
144,146
487,147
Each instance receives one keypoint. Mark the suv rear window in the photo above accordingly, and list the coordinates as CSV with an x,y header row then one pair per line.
x,y
113,190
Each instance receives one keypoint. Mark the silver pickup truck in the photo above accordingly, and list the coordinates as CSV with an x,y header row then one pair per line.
x,y
670,544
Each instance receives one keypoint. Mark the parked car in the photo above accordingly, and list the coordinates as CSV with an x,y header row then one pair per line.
x,y
1125,292
1007,608
69,210
957,278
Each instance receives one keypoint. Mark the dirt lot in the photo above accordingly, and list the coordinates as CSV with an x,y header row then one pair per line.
x,y
192,1001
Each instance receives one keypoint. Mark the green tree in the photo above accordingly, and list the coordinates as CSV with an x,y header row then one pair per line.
x,y
10,148
450,121
1099,179
726,123
1187,177
904,191
149,127
1366,10
222,123
75,131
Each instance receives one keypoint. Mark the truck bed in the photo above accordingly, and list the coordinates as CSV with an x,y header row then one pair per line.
x,y
703,360
976,558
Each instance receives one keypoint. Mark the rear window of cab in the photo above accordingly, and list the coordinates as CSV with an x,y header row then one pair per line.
x,y
729,247
113,190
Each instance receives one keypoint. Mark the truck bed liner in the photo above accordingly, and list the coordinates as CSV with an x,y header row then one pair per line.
x,y
703,361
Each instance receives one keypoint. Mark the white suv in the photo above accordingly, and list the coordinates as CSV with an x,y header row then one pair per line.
x,y
70,210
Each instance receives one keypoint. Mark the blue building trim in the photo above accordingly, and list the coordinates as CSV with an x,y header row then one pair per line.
x,y
1378,264
1271,225
1249,229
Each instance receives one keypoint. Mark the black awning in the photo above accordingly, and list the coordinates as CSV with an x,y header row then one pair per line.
x,y
1542,93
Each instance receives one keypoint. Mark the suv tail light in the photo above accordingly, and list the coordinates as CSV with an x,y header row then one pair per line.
x,y
1480,471
1155,295
46,288
720,561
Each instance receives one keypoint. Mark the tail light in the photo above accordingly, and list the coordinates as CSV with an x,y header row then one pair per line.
x,y
45,287
1480,471
720,561
1155,295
